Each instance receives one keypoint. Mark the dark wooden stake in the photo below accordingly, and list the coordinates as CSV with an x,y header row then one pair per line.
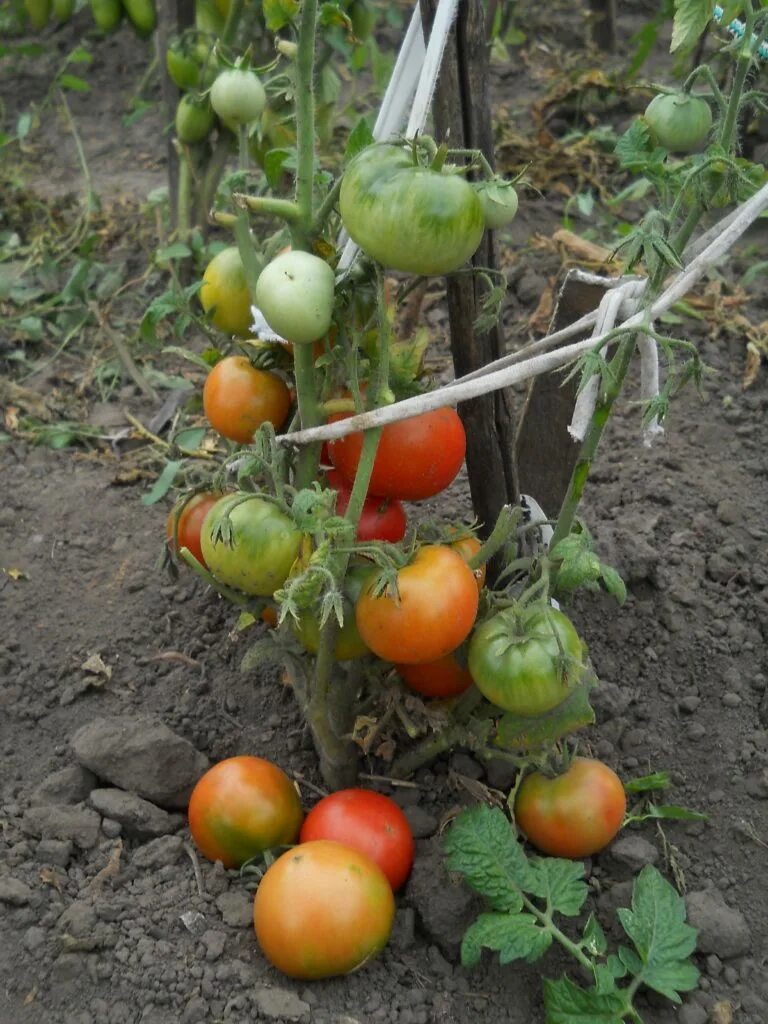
x,y
462,117
603,24
173,16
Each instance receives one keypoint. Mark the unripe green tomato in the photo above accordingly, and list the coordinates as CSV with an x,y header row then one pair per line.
x,y
194,120
295,294
39,12
107,14
238,97
680,123
142,15
183,69
499,203
63,9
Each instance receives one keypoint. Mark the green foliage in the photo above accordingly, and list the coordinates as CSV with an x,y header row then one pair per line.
x,y
691,19
525,893
580,567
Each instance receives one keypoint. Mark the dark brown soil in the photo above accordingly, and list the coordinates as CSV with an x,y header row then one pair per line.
x,y
682,663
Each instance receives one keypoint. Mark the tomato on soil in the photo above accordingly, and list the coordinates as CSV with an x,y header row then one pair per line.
x,y
238,398
190,522
224,295
416,458
433,614
322,909
241,807
368,822
574,814
442,678
380,519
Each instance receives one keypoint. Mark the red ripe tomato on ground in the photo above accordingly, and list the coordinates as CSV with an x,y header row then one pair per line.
x,y
238,398
574,814
369,822
442,678
241,807
380,519
322,909
416,458
190,520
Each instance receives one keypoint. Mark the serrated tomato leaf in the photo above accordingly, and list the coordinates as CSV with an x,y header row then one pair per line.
x,y
560,883
482,847
512,936
566,1003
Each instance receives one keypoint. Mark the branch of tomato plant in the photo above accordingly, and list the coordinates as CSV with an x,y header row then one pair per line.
x,y
455,734
234,15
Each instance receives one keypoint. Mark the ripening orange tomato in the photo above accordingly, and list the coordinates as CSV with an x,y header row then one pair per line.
x,y
238,398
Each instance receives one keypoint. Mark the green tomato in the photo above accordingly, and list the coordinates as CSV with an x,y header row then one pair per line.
x,y
238,97
295,293
249,544
680,123
183,68
63,9
349,643
409,217
39,11
107,14
363,19
526,661
142,15
499,200
207,17
194,120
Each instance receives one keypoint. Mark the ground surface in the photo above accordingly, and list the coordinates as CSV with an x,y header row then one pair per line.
x,y
108,922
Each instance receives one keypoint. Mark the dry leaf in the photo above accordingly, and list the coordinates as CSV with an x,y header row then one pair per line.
x,y
49,877
176,656
15,574
541,316
95,665
721,1013
31,996
386,750
582,249
110,869
751,367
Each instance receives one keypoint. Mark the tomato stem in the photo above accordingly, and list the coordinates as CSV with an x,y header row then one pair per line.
x,y
506,523
305,114
286,209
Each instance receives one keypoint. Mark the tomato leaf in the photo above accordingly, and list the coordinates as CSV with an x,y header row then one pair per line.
x,y
580,566
516,732
657,927
691,18
671,812
512,936
604,979
566,1003
560,883
74,83
658,780
593,938
482,846
163,484
279,13
360,137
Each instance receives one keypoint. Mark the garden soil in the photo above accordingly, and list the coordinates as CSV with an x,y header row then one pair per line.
x,y
107,914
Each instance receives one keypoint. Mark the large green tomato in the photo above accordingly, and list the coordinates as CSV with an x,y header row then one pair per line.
x,y
526,661
194,120
238,97
409,217
249,544
349,643
679,123
295,293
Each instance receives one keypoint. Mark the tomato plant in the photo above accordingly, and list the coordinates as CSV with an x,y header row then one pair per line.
x,y
322,909
409,217
194,120
574,814
526,661
238,398
679,122
368,822
224,295
248,543
380,519
238,97
349,644
432,613
183,67
416,458
184,524
442,678
295,293
241,807
468,547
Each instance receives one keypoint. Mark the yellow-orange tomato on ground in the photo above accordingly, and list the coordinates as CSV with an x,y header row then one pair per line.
x,y
190,522
468,547
241,807
224,295
238,398
442,678
322,909
574,814
433,614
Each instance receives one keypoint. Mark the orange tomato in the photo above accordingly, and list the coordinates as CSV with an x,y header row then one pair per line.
x,y
442,678
238,398
468,547
190,520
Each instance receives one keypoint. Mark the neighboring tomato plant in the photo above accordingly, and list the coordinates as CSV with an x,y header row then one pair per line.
x,y
321,910
241,807
295,293
679,122
238,398
416,458
574,814
248,543
182,530
432,613
442,678
380,519
409,217
526,661
224,295
368,822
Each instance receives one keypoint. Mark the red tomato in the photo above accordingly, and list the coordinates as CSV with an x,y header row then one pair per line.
x,y
368,822
468,547
322,909
381,518
432,615
442,678
190,520
241,807
574,814
416,458
238,398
